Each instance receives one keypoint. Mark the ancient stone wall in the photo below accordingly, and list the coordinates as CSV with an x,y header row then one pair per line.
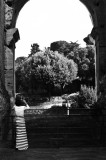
x,y
1,38
4,96
97,9
12,37
8,37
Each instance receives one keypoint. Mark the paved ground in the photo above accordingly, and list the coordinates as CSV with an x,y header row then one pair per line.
x,y
54,154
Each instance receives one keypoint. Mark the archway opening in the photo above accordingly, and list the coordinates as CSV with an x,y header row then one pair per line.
x,y
46,22
70,21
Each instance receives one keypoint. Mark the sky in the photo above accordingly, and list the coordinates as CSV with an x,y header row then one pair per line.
x,y
46,21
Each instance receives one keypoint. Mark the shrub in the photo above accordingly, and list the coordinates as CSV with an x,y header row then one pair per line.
x,y
87,97
101,102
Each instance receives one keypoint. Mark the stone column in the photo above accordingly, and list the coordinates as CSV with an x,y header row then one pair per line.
x,y
9,36
4,97
12,36
2,14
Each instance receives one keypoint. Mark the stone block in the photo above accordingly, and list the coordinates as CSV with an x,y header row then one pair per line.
x,y
8,58
89,40
9,83
8,15
12,36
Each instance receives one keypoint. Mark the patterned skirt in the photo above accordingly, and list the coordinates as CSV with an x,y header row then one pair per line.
x,y
21,135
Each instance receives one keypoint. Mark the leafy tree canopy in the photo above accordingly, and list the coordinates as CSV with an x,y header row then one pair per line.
x,y
19,61
83,57
48,68
63,46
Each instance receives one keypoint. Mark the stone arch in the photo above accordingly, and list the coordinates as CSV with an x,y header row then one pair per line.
x,y
18,5
9,35
94,8
96,37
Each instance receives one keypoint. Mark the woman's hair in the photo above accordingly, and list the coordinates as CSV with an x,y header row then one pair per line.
x,y
19,101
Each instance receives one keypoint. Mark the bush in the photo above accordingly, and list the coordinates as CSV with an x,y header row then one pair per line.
x,y
101,102
87,97
71,98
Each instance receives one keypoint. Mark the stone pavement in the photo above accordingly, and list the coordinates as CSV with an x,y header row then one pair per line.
x,y
87,153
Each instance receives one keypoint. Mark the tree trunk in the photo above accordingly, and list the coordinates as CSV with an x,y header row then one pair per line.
x,y
62,89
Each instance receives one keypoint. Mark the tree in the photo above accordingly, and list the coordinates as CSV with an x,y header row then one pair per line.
x,y
83,57
19,60
48,69
34,49
63,46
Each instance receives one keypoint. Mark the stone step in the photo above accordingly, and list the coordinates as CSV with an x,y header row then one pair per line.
x,y
61,130
60,124
75,136
60,142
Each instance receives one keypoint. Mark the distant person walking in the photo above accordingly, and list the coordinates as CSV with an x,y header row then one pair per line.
x,y
21,135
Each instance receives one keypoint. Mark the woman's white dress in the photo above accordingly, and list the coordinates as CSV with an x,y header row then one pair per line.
x,y
21,135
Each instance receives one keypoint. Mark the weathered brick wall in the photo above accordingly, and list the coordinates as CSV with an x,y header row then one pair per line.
x,y
4,97
12,37
9,45
1,38
97,9
101,17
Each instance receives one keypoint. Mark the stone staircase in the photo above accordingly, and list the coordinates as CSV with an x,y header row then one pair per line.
x,y
64,131
82,128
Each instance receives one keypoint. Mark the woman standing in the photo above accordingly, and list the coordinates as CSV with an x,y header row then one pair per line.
x,y
21,135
